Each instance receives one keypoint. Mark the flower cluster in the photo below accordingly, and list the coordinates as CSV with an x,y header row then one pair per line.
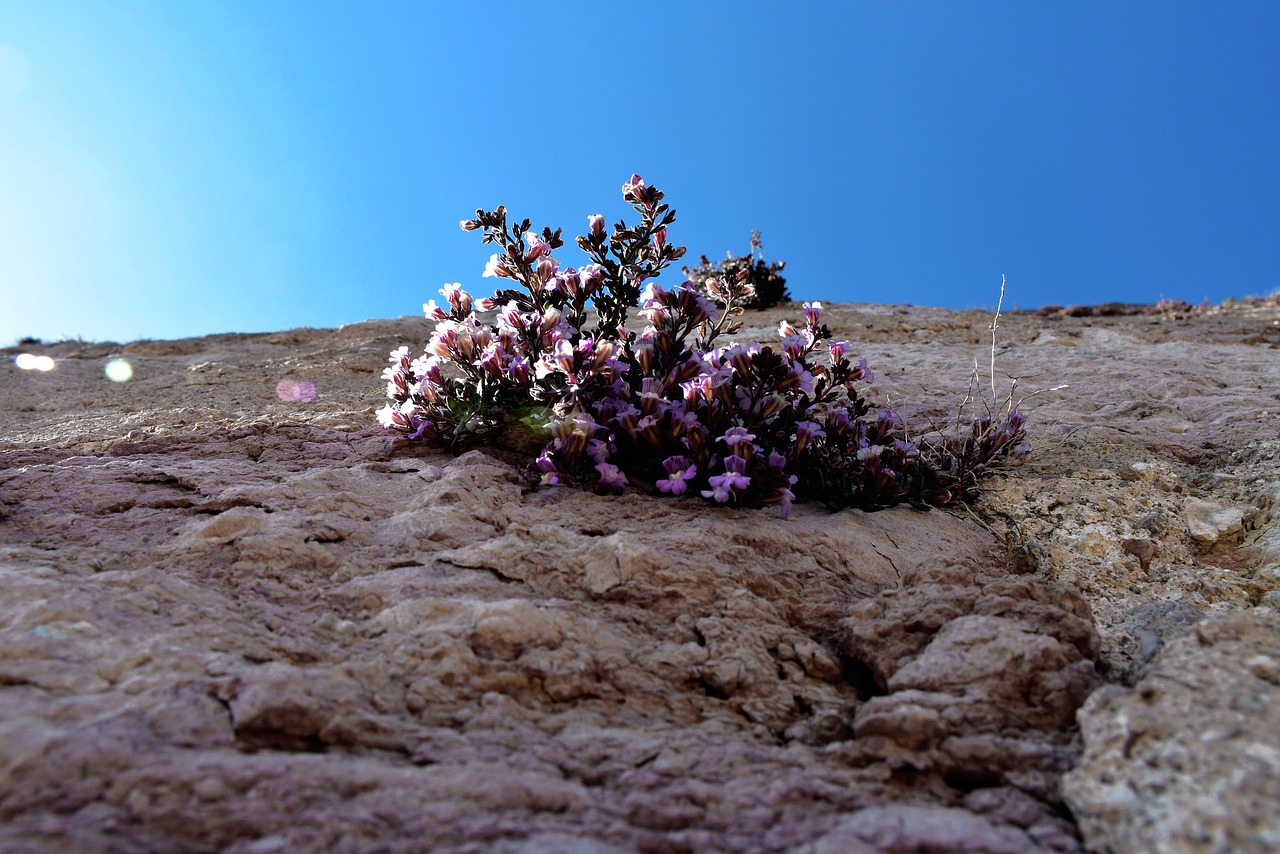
x,y
768,287
626,383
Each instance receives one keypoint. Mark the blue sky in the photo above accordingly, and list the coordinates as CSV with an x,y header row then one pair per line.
x,y
173,169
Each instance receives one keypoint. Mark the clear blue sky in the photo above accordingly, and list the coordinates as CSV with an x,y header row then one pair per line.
x,y
182,168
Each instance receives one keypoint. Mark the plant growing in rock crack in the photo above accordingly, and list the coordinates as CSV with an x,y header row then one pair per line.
x,y
665,407
770,288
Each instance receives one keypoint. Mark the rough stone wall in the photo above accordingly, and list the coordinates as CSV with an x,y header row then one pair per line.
x,y
230,621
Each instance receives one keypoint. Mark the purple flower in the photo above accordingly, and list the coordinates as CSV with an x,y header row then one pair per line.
x,y
795,345
598,450
806,432
596,221
679,472
723,485
425,430
905,450
739,357
611,477
546,465
734,435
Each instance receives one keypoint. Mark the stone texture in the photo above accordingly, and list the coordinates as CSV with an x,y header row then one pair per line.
x,y
233,619
1208,521
981,673
1188,759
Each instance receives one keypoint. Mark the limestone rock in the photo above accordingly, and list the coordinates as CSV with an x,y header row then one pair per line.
x,y
1208,521
1188,759
980,676
238,617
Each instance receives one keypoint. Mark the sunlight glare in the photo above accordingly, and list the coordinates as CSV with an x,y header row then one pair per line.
x,y
296,390
31,362
118,371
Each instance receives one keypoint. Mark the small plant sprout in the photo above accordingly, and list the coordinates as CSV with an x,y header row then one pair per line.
x,y
628,384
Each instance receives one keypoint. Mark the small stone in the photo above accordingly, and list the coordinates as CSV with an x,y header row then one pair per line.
x,y
1144,550
1155,523
1208,521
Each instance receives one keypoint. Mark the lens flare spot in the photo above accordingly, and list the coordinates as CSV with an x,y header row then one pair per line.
x,y
32,362
118,371
299,391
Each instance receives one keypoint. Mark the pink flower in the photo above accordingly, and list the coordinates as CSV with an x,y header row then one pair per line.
x,y
491,359
518,366
459,299
632,189
537,246
400,356
812,311
496,268
591,278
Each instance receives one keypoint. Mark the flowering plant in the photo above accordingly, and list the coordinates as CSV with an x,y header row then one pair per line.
x,y
663,407
766,278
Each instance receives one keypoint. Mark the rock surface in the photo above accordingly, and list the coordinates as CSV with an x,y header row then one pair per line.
x,y
233,617
1190,759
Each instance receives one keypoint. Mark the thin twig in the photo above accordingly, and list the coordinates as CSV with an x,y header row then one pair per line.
x,y
994,326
